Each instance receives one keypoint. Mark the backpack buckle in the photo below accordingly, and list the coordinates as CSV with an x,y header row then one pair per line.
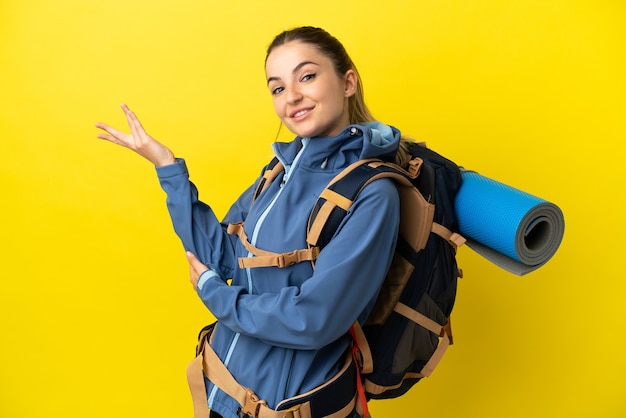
x,y
414,166
288,259
252,406
297,256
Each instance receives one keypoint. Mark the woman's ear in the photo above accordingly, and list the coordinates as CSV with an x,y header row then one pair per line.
x,y
351,80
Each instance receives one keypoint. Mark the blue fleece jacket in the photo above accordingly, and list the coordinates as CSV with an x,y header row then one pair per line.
x,y
282,332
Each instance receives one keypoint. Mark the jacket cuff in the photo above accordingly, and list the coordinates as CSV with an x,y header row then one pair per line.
x,y
171,170
204,277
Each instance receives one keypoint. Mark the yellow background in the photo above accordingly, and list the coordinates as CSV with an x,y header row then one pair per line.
x,y
97,318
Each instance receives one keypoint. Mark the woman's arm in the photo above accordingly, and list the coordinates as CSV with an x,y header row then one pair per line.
x,y
194,221
347,277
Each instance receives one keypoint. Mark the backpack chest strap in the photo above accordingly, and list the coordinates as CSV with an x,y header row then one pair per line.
x,y
264,258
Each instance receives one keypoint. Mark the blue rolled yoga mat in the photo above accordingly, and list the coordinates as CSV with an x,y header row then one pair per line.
x,y
513,229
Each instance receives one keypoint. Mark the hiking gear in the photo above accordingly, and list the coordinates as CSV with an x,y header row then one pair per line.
x,y
519,232
399,343
265,310
334,399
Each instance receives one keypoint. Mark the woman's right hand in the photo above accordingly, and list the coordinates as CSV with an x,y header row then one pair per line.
x,y
137,140
196,268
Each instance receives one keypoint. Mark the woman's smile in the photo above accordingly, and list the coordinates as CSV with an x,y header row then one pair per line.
x,y
300,114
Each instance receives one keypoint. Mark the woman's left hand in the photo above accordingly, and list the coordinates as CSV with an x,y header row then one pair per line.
x,y
196,268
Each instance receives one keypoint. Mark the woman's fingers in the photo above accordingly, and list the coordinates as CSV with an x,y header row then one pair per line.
x,y
134,140
136,129
138,140
112,134
196,268
193,277
195,263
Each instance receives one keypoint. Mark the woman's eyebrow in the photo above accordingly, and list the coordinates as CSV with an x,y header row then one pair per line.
x,y
295,70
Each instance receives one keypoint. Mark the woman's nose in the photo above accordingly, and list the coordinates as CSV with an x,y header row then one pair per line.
x,y
294,95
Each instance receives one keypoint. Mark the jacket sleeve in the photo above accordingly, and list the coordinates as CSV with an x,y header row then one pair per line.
x,y
347,277
195,223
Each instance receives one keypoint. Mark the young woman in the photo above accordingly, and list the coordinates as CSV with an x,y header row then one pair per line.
x,y
283,332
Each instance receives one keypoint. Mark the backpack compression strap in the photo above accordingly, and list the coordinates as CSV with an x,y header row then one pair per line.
x,y
444,333
432,326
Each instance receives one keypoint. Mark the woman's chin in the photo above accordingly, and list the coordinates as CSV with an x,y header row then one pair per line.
x,y
303,131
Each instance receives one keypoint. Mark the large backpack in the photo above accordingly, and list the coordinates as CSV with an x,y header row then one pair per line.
x,y
408,330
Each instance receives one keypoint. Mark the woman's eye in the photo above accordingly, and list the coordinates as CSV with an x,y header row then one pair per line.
x,y
308,77
277,90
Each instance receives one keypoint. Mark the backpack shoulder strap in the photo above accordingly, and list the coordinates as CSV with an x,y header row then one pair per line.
x,y
272,170
416,221
335,201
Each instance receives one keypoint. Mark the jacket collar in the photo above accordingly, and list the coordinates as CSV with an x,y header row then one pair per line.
x,y
359,141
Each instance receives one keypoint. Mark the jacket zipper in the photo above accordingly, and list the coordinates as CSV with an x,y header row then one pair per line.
x,y
255,235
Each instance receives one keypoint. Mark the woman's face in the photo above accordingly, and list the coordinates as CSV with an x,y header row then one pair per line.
x,y
308,95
